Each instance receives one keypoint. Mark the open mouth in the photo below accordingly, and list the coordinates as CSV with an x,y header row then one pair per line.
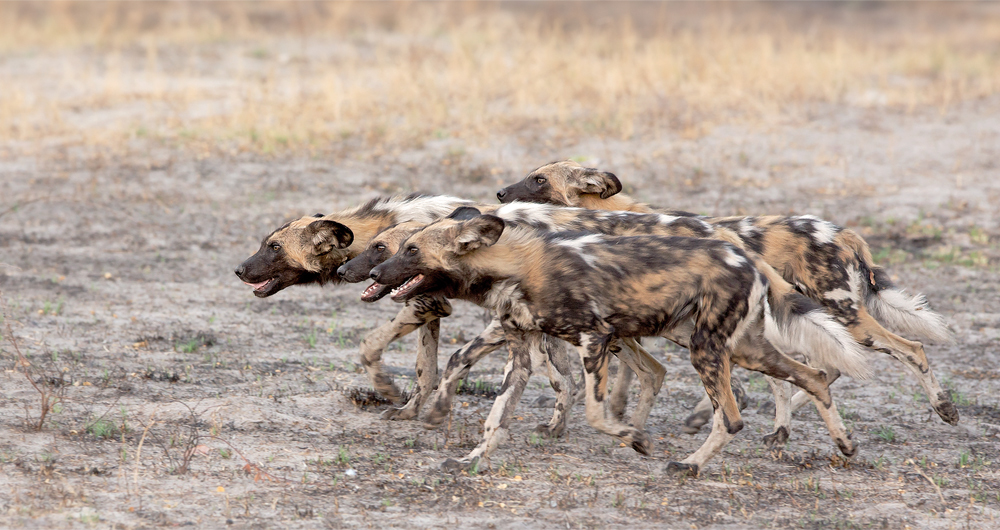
x,y
400,292
261,286
374,292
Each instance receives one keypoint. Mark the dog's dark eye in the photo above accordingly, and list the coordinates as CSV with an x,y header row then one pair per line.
x,y
380,247
275,246
540,180
412,251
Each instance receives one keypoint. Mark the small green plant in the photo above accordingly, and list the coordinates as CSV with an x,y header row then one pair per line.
x,y
225,453
190,346
343,456
48,308
102,428
536,439
886,433
311,338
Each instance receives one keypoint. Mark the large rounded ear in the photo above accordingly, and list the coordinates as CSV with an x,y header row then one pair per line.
x,y
602,182
481,231
325,235
464,213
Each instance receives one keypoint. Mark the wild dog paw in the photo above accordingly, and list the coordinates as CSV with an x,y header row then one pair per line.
x,y
681,469
550,431
777,438
436,416
472,466
694,422
641,443
847,446
946,409
543,402
402,413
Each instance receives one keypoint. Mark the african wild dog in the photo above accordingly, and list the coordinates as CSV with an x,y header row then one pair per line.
x,y
310,249
551,218
827,263
387,242
589,288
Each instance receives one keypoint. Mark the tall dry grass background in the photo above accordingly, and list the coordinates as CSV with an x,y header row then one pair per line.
x,y
274,76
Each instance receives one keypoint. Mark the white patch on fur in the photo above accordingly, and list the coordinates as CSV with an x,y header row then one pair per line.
x,y
667,219
823,231
423,209
527,209
733,259
579,243
747,229
821,339
907,314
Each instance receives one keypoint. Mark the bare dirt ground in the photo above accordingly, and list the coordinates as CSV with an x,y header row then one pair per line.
x,y
185,401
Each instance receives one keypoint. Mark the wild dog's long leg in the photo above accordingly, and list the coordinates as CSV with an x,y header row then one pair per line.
x,y
866,330
619,391
910,353
428,336
703,410
709,357
458,367
413,315
593,351
762,357
650,372
495,428
553,357
782,411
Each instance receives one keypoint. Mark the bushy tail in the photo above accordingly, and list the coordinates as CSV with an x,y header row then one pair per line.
x,y
794,323
893,307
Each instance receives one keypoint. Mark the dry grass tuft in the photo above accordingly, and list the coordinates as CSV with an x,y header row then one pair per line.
x,y
275,76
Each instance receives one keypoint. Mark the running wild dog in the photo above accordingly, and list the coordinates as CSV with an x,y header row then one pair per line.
x,y
554,219
387,242
827,263
589,289
310,249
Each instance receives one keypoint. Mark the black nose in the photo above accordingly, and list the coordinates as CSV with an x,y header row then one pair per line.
x,y
501,194
341,271
240,270
375,274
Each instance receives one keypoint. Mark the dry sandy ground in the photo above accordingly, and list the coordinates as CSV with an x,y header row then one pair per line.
x,y
185,401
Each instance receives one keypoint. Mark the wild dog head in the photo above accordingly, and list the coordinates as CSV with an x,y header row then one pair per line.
x,y
306,250
380,248
430,259
561,183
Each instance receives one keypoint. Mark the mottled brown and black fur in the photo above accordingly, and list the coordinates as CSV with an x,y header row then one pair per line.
x,y
387,242
706,294
827,263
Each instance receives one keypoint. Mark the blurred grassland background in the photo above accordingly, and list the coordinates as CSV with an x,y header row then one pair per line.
x,y
266,77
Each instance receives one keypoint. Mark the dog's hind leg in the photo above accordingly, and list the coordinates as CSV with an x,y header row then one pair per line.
x,y
650,373
764,358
